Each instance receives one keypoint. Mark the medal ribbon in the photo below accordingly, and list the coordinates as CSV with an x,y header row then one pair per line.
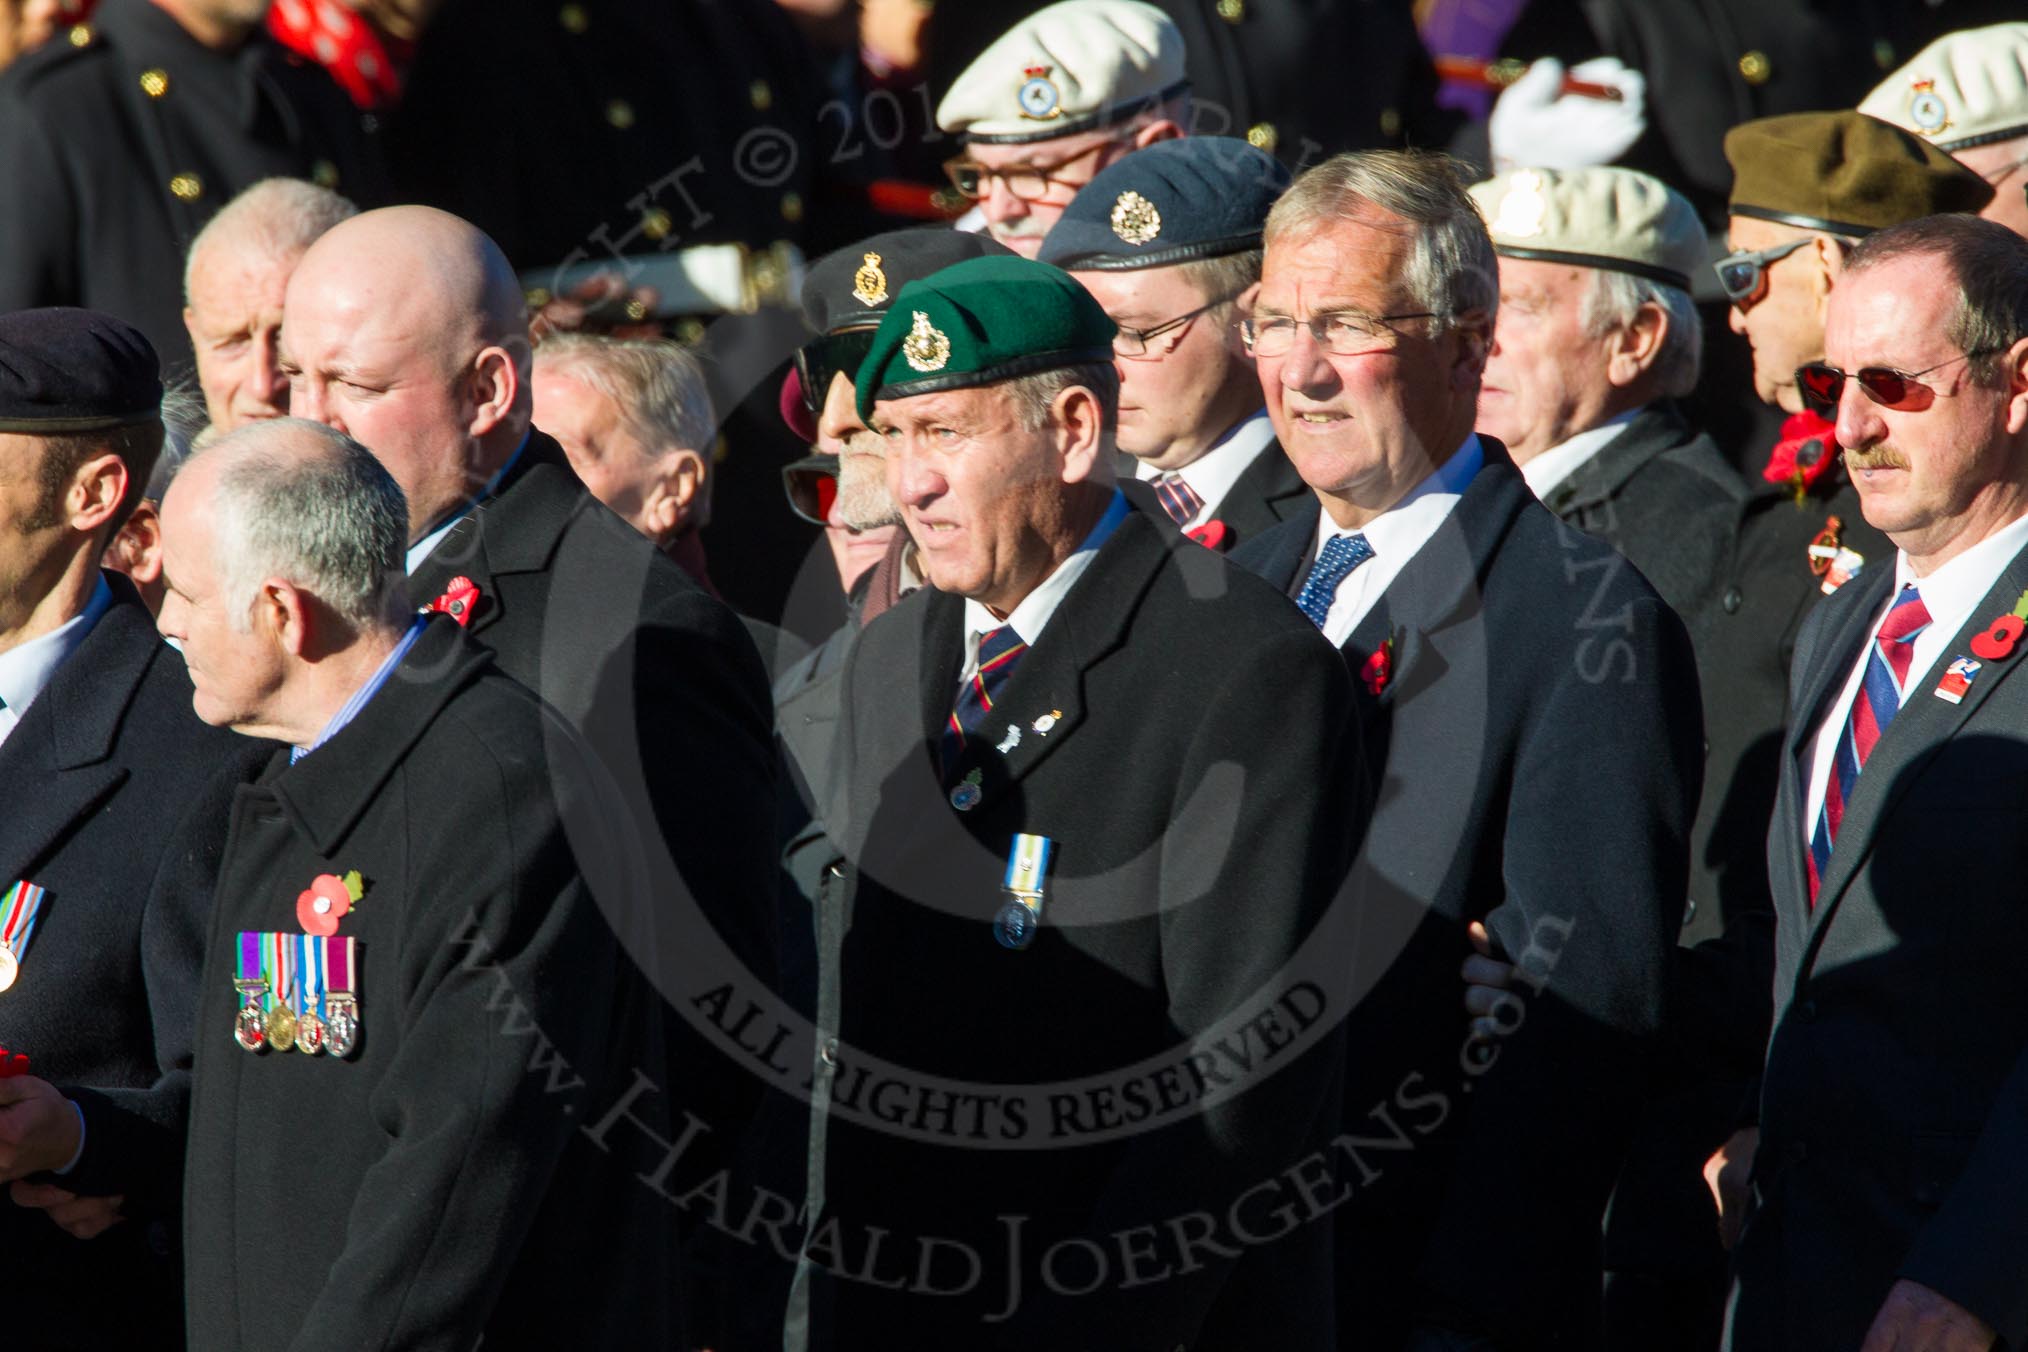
x,y
282,955
338,965
310,950
1027,865
18,910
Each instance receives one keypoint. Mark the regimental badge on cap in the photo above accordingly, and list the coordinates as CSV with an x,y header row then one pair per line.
x,y
926,347
1135,219
1039,97
869,284
1523,208
1926,108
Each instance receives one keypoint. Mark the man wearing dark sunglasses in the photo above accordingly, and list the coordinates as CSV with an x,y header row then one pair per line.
x,y
1168,241
1967,93
1890,1157
1052,102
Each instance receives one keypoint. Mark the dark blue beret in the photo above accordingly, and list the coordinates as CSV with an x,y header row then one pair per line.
x,y
66,371
1198,197
853,287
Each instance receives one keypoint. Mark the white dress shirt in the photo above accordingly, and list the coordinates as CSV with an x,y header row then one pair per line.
x,y
26,669
1029,617
1950,594
423,548
1395,536
1560,461
1212,474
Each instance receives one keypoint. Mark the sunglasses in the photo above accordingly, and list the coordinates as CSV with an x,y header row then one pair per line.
x,y
812,487
834,354
1744,275
1823,385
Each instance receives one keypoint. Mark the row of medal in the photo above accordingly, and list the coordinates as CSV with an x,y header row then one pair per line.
x,y
296,993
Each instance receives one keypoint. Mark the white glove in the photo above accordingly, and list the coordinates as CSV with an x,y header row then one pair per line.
x,y
1536,125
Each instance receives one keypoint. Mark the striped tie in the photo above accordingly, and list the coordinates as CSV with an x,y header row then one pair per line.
x,y
1178,499
1342,553
999,650
1873,708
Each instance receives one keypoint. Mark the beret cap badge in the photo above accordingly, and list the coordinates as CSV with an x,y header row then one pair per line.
x,y
1135,219
1926,108
869,284
1038,96
926,347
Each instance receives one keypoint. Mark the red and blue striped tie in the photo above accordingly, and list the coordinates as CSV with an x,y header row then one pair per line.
x,y
1178,498
999,650
1873,708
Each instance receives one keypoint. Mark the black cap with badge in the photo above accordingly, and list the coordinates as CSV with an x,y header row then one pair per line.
x,y
67,371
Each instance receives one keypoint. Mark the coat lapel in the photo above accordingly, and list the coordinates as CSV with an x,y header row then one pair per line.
x,y
1923,724
516,530
1647,434
63,745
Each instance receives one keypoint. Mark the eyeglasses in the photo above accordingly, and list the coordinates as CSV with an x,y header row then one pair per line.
x,y
1132,343
812,487
1345,334
834,354
1823,385
1029,182
1744,275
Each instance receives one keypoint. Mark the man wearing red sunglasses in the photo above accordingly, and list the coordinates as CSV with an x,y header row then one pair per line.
x,y
1891,1171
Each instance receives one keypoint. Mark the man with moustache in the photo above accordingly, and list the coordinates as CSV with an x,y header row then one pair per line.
x,y
1528,707
1053,101
233,284
1069,843
1889,1176
109,844
1168,240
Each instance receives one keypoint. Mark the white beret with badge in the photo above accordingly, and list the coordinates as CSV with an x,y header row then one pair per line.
x,y
1078,66
1617,219
1968,88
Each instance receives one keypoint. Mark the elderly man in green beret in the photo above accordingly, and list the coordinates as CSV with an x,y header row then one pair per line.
x,y
1081,1026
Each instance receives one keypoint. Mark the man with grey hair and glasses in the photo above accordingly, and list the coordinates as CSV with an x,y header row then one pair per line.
x,y
413,1007
1529,709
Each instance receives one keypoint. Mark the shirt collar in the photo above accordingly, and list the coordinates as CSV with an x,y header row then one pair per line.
x,y
421,549
360,697
1403,527
1950,592
1029,617
1545,471
27,669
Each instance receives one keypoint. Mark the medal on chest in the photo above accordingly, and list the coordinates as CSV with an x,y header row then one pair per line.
x,y
19,909
1025,884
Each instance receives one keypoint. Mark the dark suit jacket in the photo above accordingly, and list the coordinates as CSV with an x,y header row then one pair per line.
x,y
1540,739
1197,845
117,810
90,218
461,1174
1897,1079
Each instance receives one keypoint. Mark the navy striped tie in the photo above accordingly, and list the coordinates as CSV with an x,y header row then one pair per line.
x,y
999,650
1178,498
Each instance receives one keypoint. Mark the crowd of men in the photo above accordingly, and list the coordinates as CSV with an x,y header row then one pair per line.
x,y
1339,814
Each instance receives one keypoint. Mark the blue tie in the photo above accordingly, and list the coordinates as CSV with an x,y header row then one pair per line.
x,y
1342,553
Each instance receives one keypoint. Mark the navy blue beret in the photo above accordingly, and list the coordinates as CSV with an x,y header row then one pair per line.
x,y
66,371
853,287
1198,197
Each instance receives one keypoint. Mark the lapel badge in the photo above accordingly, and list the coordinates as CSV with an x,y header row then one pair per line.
x,y
1135,219
459,600
19,908
1049,720
1011,740
967,794
1957,679
327,900
869,284
926,347
1926,108
1038,96
1997,641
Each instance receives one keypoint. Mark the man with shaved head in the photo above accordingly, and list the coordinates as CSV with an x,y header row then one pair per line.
x,y
233,283
404,328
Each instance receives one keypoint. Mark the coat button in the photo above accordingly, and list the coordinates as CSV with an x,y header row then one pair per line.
x,y
80,35
1390,122
762,97
573,18
657,223
792,207
1689,911
620,114
325,175
187,187
155,82
1754,67
835,870
1263,136
828,1053
1731,600
1232,11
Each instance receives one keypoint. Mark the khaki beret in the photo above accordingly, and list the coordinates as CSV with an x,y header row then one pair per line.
x,y
1073,67
1844,173
1616,219
1966,89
